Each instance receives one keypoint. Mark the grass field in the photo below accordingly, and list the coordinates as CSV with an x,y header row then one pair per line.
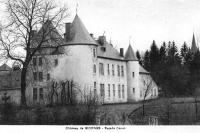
x,y
170,111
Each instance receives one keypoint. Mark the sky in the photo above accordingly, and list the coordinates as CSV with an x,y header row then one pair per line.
x,y
140,21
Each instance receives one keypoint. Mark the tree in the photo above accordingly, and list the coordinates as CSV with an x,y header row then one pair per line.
x,y
184,52
173,55
195,71
24,16
146,60
148,84
154,56
139,57
163,52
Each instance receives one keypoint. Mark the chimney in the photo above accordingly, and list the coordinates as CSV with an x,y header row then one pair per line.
x,y
102,40
91,35
67,31
121,52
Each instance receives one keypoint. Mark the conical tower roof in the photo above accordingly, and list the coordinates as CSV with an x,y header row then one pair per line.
x,y
5,67
194,46
130,55
79,34
51,34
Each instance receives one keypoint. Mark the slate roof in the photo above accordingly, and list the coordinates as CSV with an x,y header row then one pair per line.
x,y
53,36
142,70
79,34
110,52
5,67
130,55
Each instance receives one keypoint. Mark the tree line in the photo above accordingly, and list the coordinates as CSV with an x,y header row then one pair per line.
x,y
177,72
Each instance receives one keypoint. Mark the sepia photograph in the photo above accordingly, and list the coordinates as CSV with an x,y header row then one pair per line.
x,y
116,63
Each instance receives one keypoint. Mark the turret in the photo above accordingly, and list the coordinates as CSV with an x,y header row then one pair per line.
x,y
82,48
132,75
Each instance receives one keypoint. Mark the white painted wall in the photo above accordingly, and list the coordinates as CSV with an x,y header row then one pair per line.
x,y
77,66
146,80
110,79
133,82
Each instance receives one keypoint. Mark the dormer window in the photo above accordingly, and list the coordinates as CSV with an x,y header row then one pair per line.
x,y
103,49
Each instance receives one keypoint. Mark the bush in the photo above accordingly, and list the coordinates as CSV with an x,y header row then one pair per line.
x,y
8,111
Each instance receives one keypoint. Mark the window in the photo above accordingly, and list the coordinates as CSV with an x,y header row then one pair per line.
x,y
94,53
94,69
119,91
140,93
101,69
123,91
34,94
151,92
109,90
113,90
108,69
113,70
40,76
35,76
154,92
95,88
48,76
102,90
41,94
122,69
133,74
133,90
118,70
56,62
40,61
95,92
34,61
95,85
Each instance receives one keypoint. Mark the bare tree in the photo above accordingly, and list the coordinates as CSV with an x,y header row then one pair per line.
x,y
147,89
68,92
24,16
53,92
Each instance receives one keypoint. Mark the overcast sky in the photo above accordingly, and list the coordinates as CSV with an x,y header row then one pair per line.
x,y
143,20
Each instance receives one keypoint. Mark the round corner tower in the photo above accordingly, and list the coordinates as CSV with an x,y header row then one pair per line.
x,y
132,75
81,49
